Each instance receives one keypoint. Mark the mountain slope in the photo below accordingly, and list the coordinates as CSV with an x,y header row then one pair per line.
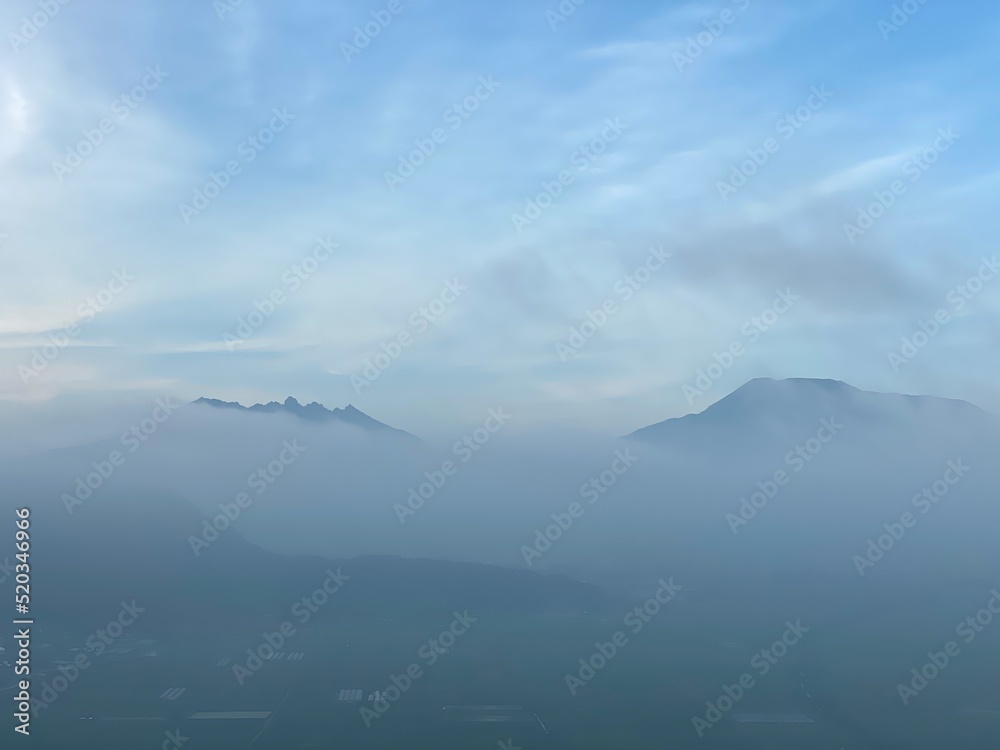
x,y
140,547
764,406
313,412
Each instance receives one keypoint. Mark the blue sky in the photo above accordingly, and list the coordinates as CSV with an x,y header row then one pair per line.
x,y
684,124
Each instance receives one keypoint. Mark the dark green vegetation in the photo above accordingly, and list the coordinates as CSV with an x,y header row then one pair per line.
x,y
850,663
205,619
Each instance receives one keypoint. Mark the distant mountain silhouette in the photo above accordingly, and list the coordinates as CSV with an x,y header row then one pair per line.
x,y
314,412
126,547
765,406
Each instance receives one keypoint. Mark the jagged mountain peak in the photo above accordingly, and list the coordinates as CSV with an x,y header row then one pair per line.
x,y
313,411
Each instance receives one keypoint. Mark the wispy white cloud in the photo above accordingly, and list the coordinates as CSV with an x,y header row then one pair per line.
x,y
325,175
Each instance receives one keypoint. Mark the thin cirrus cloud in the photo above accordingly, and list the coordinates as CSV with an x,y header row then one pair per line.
x,y
688,127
